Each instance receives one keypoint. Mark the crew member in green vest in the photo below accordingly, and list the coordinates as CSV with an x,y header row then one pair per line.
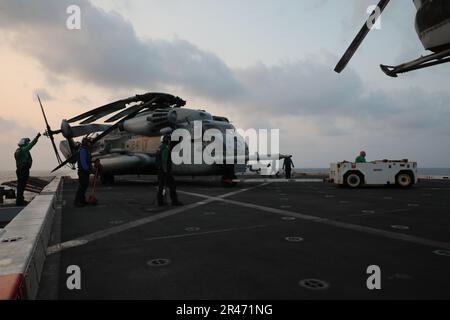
x,y
24,161
361,158
165,177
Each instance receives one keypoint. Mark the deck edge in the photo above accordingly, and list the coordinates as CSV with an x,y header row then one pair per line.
x,y
23,245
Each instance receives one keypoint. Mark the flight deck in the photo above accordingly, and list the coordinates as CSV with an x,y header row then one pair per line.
x,y
259,240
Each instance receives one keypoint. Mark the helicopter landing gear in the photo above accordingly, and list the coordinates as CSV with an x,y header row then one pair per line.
x,y
229,177
228,181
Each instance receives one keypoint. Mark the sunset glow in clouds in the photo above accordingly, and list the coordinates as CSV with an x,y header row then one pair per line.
x,y
262,64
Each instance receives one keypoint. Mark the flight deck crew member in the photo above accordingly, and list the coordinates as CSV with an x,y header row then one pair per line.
x,y
165,177
287,166
84,170
24,161
361,158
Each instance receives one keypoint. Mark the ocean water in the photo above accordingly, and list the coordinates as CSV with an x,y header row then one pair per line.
x,y
422,171
434,171
11,175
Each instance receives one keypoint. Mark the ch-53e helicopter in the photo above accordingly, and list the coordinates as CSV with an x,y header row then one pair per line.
x,y
130,145
432,27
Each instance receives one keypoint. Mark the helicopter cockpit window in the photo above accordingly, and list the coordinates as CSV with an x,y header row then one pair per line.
x,y
204,115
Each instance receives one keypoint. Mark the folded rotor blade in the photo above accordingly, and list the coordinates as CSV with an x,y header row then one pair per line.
x,y
100,112
111,107
115,126
105,110
106,132
79,131
151,101
124,113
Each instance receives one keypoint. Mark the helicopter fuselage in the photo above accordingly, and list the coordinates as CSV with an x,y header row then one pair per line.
x,y
433,24
132,148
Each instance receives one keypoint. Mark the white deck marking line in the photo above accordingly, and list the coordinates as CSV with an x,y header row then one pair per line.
x,y
362,214
338,224
183,235
378,213
193,234
137,223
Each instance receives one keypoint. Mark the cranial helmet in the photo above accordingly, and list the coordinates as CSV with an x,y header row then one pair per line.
x,y
23,141
165,138
85,142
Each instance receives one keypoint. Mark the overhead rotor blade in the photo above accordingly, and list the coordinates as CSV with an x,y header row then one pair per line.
x,y
49,132
360,37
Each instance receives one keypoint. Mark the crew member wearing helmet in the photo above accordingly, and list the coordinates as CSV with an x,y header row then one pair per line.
x,y
84,163
165,177
361,158
24,161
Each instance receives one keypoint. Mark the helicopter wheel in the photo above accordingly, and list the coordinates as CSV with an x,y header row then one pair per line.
x,y
227,181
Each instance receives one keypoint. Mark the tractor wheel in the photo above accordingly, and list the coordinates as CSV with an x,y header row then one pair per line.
x,y
404,180
353,180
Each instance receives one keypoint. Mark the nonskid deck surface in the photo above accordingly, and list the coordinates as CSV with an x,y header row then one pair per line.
x,y
7,213
254,241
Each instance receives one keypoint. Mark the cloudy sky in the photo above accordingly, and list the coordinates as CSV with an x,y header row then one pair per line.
x,y
261,63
